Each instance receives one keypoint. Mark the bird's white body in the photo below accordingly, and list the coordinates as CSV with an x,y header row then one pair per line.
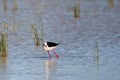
x,y
48,48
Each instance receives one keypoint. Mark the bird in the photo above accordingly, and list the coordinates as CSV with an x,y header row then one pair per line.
x,y
50,46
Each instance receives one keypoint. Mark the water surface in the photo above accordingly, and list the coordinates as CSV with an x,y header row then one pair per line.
x,y
99,24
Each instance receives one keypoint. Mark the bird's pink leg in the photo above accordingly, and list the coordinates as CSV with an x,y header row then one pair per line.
x,y
55,54
49,55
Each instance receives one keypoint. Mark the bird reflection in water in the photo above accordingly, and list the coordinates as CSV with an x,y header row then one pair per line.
x,y
50,68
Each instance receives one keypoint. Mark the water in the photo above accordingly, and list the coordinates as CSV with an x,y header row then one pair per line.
x,y
99,24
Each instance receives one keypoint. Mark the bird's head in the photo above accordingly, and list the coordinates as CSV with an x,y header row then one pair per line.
x,y
45,44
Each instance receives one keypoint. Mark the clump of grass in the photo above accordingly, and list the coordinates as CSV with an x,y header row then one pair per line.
x,y
36,36
76,10
4,41
111,3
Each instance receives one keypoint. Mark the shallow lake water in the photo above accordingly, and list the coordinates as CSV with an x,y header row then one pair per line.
x,y
96,32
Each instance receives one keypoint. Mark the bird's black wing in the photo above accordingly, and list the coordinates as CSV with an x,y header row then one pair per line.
x,y
52,44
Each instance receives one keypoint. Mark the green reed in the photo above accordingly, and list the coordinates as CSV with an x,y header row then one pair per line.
x,y
5,5
4,41
76,10
14,10
40,22
15,6
96,54
111,3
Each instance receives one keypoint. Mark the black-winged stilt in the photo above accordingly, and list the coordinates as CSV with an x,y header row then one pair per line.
x,y
50,46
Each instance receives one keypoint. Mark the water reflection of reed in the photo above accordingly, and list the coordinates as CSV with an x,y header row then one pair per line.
x,y
3,61
96,54
96,60
50,68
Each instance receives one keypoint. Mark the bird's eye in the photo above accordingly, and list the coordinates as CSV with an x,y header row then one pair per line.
x,y
45,46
